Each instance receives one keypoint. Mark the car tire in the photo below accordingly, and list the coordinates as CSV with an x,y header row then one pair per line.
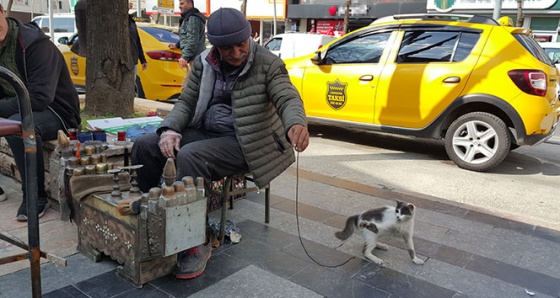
x,y
477,141
138,90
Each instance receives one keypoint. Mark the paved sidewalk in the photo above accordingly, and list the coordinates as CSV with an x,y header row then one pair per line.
x,y
468,253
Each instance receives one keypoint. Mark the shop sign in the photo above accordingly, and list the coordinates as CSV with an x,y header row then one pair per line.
x,y
165,6
355,10
449,5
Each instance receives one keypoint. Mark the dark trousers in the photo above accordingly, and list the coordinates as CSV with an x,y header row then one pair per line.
x,y
47,125
202,154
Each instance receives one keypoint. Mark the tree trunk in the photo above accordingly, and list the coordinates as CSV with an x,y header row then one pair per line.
x,y
109,67
9,8
346,16
519,13
244,7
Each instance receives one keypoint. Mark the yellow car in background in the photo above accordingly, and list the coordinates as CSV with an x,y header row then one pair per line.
x,y
160,81
481,87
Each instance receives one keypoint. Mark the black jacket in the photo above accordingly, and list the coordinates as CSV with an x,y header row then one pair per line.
x,y
135,44
45,74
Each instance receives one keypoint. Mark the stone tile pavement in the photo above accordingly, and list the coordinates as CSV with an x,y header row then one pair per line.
x,y
468,253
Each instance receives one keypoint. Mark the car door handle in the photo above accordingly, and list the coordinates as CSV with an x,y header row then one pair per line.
x,y
454,80
366,78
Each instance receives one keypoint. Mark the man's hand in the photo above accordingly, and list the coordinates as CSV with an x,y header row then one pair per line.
x,y
299,137
144,66
169,142
184,63
172,46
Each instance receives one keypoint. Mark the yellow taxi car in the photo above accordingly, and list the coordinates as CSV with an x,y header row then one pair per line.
x,y
163,77
483,88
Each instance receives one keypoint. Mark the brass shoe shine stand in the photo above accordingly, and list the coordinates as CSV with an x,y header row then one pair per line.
x,y
155,226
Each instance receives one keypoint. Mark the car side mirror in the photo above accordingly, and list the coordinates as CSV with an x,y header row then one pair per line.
x,y
63,40
317,60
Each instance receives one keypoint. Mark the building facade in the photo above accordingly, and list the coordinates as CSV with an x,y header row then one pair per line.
x,y
25,10
542,16
327,16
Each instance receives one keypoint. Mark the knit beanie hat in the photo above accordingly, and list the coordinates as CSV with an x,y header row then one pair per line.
x,y
228,27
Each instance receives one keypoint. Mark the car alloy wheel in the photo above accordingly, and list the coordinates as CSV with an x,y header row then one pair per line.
x,y
477,141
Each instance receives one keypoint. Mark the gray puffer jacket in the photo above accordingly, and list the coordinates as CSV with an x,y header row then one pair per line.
x,y
265,105
192,39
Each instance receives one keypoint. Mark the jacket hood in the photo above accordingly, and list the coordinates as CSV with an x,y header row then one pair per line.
x,y
29,33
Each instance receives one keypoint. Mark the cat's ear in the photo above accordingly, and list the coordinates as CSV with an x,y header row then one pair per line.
x,y
410,207
398,202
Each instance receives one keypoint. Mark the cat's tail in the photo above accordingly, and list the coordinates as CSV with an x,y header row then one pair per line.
x,y
351,222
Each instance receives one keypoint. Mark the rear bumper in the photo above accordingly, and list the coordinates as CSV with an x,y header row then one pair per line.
x,y
537,139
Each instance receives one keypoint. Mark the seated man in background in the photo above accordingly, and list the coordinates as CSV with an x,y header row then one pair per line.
x,y
27,52
238,113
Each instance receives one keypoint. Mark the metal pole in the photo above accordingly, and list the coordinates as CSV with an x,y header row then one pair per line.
x,y
497,9
31,187
51,19
274,18
139,9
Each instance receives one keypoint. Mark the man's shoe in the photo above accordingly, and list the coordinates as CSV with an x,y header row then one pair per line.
x,y
42,207
192,262
3,196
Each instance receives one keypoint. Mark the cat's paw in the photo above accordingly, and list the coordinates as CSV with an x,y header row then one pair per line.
x,y
375,260
382,246
418,261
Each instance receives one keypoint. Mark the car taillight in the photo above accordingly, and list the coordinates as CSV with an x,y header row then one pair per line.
x,y
164,55
533,82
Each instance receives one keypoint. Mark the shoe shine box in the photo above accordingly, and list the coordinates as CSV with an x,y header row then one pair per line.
x,y
145,245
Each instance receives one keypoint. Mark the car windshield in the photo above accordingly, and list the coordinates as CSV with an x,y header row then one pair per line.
x,y
161,34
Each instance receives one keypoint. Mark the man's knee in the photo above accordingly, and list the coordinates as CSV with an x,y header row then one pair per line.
x,y
145,143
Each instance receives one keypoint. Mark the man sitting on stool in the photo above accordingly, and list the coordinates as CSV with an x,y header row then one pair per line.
x,y
238,113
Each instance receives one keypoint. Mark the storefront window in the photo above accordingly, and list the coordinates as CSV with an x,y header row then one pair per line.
x,y
336,2
545,24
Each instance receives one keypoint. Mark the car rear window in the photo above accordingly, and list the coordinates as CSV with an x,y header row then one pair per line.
x,y
533,47
421,46
161,34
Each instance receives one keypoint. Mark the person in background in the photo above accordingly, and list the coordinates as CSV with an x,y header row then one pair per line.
x,y
27,52
239,113
192,41
256,37
80,11
135,43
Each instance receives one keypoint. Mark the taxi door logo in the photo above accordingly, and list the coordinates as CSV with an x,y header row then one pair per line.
x,y
74,65
336,94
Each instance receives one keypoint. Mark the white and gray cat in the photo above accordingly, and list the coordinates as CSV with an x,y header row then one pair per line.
x,y
373,223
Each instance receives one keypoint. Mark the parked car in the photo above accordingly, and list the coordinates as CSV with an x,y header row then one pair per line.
x,y
483,88
160,81
552,49
290,45
64,24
